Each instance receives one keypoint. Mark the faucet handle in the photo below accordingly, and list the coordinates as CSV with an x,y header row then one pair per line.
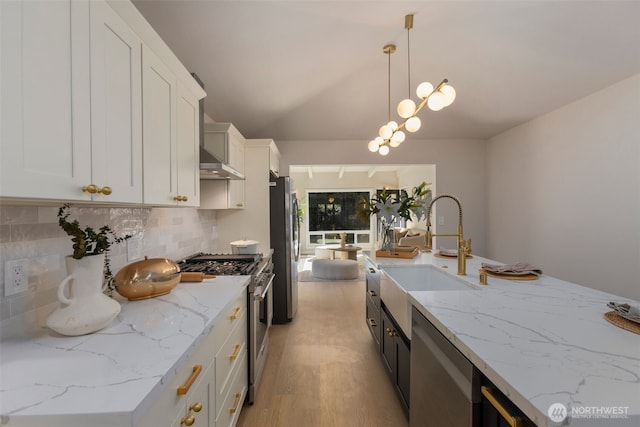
x,y
465,246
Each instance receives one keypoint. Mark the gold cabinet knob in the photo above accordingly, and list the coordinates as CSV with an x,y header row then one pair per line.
x,y
105,190
196,407
91,189
188,421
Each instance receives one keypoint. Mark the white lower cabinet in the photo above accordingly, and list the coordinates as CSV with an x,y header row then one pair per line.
x,y
231,377
209,390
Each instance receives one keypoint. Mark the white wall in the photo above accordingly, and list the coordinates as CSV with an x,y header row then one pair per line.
x,y
252,222
460,170
564,191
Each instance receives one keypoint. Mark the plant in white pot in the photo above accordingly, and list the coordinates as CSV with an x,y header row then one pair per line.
x,y
84,308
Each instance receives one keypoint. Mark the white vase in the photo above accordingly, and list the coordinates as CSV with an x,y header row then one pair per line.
x,y
87,309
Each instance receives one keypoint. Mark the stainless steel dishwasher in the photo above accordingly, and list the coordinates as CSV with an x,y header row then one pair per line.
x,y
445,386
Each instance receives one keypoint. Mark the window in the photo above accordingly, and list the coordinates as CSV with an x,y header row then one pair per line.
x,y
329,211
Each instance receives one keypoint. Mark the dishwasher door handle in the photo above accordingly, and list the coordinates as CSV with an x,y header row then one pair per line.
x,y
513,421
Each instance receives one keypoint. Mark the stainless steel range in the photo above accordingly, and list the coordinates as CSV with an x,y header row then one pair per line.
x,y
259,300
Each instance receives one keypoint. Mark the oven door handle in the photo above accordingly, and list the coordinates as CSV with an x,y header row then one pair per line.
x,y
261,291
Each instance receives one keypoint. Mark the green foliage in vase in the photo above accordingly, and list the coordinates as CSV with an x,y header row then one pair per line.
x,y
86,241
387,207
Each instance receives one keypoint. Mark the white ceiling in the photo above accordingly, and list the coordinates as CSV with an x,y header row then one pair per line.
x,y
315,70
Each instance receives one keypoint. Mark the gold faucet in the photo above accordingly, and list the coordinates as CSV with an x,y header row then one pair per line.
x,y
464,248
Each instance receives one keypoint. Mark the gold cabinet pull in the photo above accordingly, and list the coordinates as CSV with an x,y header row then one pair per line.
x,y
236,402
94,189
184,389
196,407
188,421
234,316
510,419
235,352
181,198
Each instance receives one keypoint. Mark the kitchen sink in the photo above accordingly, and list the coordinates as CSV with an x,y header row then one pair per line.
x,y
426,278
397,281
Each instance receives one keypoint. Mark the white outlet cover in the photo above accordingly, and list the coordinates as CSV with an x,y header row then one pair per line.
x,y
16,276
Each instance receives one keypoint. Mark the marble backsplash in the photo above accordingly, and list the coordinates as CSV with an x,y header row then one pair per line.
x,y
32,234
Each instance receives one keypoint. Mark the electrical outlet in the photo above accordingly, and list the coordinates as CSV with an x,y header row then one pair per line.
x,y
134,248
441,220
16,276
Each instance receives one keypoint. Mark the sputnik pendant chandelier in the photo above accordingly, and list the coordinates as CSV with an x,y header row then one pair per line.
x,y
443,95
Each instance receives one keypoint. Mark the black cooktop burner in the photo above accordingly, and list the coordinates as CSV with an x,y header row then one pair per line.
x,y
221,264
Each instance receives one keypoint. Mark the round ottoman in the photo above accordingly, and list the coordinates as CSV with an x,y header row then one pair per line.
x,y
335,269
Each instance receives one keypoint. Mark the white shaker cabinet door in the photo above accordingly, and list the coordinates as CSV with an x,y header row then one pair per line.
x,y
45,144
159,118
188,147
116,105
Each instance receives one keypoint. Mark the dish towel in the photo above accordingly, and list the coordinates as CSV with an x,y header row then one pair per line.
x,y
520,268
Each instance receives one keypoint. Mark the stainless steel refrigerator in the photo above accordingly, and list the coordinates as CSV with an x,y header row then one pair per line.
x,y
285,232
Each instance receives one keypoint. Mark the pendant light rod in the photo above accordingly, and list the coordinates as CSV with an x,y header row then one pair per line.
x,y
389,49
408,25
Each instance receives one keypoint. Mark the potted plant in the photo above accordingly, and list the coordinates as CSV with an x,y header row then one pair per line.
x,y
84,308
87,241
389,207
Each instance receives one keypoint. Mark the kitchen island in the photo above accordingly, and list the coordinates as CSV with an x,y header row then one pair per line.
x,y
113,377
541,342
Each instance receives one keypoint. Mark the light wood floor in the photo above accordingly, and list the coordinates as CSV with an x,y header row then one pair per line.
x,y
322,369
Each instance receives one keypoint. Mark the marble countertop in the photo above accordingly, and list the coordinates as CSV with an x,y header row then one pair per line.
x,y
540,342
115,374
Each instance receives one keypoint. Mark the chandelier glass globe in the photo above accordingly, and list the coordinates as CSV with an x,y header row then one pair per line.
x,y
413,124
424,89
449,94
384,150
385,132
406,108
399,137
436,101
373,146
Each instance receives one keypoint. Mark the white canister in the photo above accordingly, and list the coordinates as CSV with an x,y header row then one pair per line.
x,y
244,247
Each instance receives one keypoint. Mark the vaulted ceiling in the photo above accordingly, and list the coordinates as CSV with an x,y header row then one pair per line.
x,y
315,70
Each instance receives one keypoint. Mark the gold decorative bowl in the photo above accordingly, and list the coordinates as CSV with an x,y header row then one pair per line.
x,y
147,278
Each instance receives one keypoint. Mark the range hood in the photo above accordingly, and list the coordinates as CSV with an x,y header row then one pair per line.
x,y
212,168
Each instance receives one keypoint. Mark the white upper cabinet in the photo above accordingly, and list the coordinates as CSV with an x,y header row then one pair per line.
x,y
188,147
46,135
116,105
171,137
159,104
72,106
225,142
274,159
